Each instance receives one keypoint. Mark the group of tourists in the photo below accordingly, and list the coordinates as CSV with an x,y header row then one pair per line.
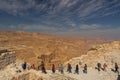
x,y
53,68
69,68
99,67
41,66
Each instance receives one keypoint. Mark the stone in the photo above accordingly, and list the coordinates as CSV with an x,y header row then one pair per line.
x,y
6,57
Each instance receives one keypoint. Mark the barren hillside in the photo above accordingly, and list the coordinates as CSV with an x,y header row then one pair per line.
x,y
34,47
104,53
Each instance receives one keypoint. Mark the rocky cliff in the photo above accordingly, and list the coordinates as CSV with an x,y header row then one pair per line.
x,y
7,57
105,53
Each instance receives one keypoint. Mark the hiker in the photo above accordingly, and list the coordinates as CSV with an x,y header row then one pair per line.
x,y
104,66
24,66
69,67
99,66
43,67
59,66
44,70
116,67
33,67
85,69
53,68
42,64
77,69
61,69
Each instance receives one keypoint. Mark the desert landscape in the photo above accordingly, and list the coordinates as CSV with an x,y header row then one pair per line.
x,y
59,39
35,47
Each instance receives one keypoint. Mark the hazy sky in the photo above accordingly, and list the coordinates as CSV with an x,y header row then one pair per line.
x,y
82,18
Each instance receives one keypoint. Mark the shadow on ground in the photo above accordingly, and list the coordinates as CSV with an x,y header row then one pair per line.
x,y
118,77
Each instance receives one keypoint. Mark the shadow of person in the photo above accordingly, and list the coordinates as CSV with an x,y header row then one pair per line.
x,y
118,77
112,70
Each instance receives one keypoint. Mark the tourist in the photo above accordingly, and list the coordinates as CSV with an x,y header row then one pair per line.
x,y
116,67
85,69
43,67
69,68
44,70
77,69
99,66
24,66
53,68
33,67
59,67
104,66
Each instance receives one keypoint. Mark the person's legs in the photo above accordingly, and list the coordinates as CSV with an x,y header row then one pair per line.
x,y
86,71
77,71
54,71
70,71
115,69
98,69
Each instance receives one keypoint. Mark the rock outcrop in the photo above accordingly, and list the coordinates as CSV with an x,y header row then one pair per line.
x,y
6,57
105,53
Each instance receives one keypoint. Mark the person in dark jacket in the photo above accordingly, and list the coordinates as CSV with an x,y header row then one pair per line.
x,y
53,68
43,67
116,67
99,66
24,66
77,69
69,68
85,69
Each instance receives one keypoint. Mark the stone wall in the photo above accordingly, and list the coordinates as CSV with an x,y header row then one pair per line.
x,y
6,57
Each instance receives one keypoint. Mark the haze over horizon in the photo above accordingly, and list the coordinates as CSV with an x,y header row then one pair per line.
x,y
75,18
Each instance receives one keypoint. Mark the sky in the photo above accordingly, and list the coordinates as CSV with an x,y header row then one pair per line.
x,y
73,18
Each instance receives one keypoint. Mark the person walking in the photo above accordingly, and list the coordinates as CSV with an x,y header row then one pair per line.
x,y
53,68
61,69
59,66
33,67
104,66
77,69
69,68
99,66
24,66
85,69
43,67
116,67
